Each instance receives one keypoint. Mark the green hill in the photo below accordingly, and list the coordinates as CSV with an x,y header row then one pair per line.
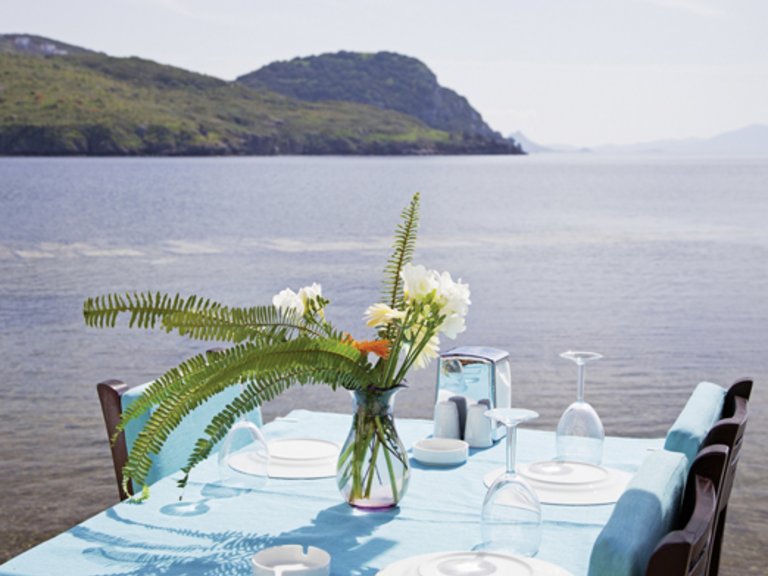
x,y
63,100
384,79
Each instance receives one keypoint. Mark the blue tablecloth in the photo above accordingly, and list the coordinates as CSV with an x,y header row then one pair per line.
x,y
216,530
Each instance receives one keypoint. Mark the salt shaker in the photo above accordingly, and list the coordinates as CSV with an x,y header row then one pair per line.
x,y
446,420
479,430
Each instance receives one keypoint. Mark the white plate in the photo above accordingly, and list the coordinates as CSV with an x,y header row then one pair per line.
x,y
584,494
563,472
287,464
303,449
480,563
495,565
441,451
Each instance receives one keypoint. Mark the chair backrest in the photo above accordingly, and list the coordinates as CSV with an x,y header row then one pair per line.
x,y
739,389
110,392
687,551
729,431
702,410
115,396
647,510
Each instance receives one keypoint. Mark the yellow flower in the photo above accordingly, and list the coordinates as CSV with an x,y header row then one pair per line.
x,y
381,315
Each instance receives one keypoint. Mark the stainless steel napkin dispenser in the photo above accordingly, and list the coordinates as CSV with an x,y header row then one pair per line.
x,y
478,373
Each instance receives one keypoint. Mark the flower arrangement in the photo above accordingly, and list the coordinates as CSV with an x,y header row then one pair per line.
x,y
292,342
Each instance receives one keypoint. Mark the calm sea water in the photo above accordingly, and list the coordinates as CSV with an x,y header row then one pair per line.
x,y
660,265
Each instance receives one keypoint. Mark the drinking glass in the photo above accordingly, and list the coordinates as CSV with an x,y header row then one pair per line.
x,y
580,433
511,516
244,455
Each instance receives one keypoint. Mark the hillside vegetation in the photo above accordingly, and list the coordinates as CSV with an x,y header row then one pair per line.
x,y
61,101
384,79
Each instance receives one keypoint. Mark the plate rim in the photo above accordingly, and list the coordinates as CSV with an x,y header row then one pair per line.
x,y
438,557
526,466
409,567
576,494
335,446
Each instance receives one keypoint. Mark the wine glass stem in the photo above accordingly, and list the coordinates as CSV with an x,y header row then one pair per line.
x,y
580,389
511,444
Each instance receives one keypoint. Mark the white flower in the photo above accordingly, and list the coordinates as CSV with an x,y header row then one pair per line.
x,y
418,282
453,325
288,300
310,292
430,351
380,315
454,295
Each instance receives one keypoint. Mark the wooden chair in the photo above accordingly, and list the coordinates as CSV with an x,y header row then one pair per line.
x,y
739,389
729,431
687,551
110,392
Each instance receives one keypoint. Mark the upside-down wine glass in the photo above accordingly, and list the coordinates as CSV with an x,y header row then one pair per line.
x,y
580,433
244,455
511,516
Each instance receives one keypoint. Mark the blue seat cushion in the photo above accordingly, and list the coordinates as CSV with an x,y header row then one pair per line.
x,y
180,443
703,409
643,515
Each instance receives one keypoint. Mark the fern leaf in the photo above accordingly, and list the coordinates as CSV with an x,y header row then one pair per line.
x,y
178,392
196,318
403,250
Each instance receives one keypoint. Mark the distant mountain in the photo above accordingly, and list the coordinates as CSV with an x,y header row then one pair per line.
x,y
58,99
529,145
532,147
384,79
748,141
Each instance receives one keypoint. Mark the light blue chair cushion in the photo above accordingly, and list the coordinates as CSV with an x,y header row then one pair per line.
x,y
703,409
644,514
180,443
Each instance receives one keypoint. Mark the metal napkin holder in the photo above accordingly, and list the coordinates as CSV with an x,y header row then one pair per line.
x,y
477,373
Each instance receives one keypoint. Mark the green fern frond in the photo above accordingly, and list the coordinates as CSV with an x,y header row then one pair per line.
x,y
178,392
403,250
195,317
257,392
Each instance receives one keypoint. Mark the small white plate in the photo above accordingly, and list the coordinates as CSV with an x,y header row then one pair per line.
x,y
441,451
498,564
302,449
563,472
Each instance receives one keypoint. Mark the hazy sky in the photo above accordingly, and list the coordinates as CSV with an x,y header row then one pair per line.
x,y
581,72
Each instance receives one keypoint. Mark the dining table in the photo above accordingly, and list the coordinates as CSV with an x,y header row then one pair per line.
x,y
216,528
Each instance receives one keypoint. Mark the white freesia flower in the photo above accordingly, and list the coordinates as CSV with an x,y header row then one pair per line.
x,y
380,315
310,292
288,300
454,295
453,325
418,282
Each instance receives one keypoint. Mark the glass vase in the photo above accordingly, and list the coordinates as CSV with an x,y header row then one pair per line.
x,y
373,469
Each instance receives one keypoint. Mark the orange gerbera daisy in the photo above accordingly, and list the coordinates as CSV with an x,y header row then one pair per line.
x,y
378,347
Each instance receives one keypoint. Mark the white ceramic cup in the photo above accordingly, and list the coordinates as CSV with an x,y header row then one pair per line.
x,y
446,420
479,430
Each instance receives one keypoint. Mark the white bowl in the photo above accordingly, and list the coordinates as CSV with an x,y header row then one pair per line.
x,y
441,451
291,560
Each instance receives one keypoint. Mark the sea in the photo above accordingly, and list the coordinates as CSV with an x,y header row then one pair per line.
x,y
658,264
